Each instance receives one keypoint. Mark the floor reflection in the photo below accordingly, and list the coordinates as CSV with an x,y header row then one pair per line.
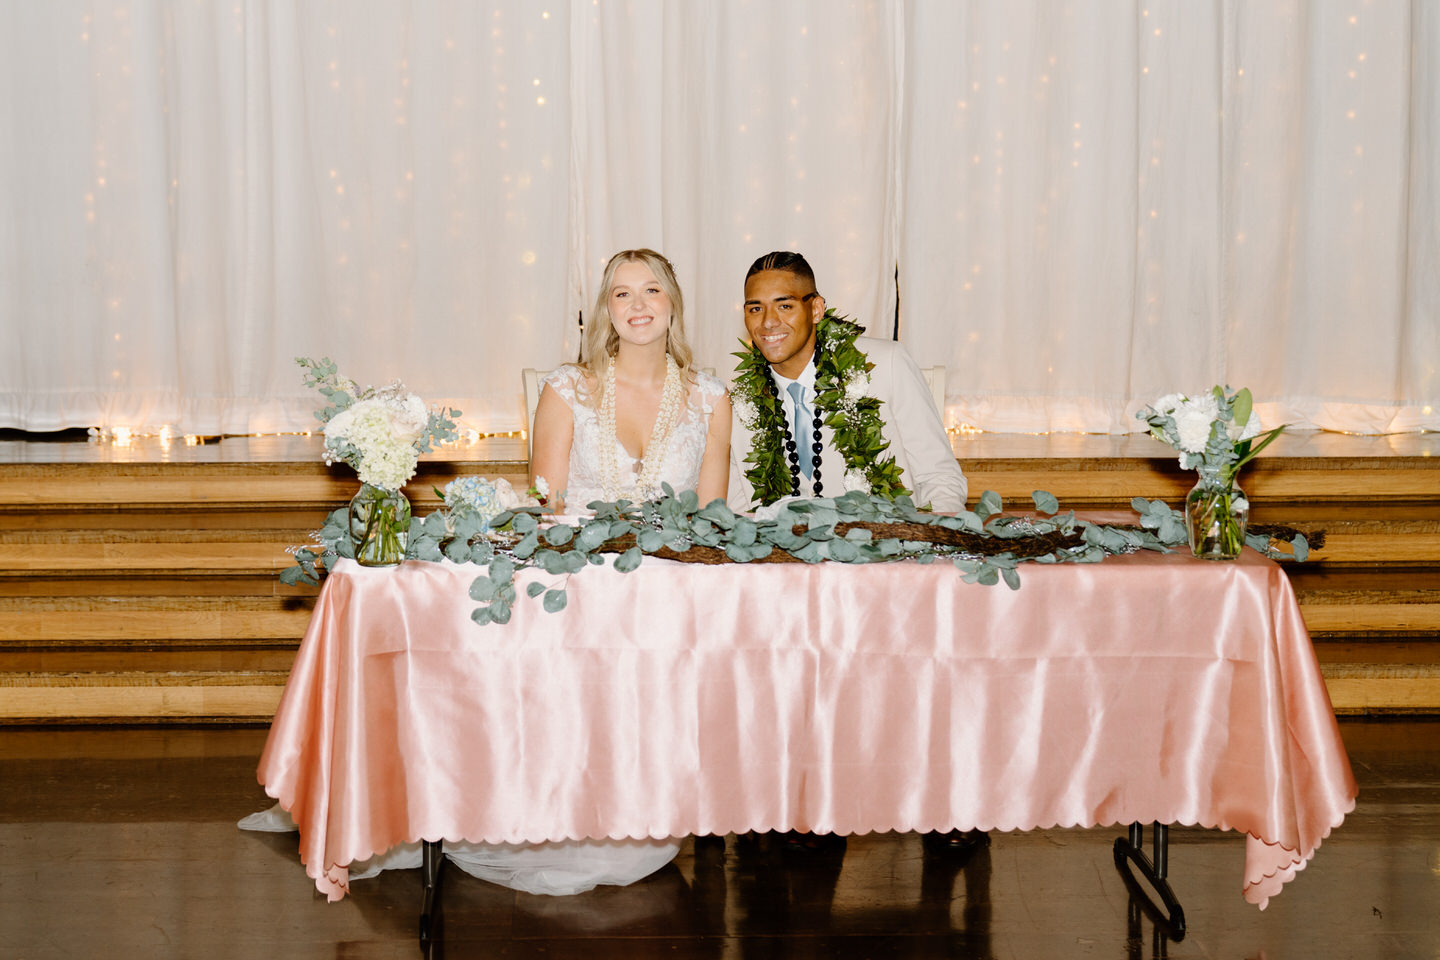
x,y
779,890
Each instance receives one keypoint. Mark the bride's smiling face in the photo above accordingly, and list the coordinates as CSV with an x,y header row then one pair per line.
x,y
639,306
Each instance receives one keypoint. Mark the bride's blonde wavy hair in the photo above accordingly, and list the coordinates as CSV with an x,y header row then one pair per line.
x,y
602,342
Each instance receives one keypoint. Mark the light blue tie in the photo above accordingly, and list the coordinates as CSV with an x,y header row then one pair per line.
x,y
800,429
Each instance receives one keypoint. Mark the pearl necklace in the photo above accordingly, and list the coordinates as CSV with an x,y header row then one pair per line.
x,y
646,485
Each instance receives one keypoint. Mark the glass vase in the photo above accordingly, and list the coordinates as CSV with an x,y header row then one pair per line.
x,y
379,526
1216,513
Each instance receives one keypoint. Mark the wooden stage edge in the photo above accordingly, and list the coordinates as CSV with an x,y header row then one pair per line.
x,y
139,582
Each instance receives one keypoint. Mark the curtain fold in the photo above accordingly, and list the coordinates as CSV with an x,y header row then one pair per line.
x,y
1088,206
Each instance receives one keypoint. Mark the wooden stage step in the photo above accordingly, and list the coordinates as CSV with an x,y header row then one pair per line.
x,y
140,583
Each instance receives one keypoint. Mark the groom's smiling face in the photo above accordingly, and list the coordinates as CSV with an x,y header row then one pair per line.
x,y
781,310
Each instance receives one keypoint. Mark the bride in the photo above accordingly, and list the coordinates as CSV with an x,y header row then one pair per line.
x,y
633,413
633,390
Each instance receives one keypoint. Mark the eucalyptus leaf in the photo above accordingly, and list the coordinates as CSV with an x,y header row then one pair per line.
x,y
629,560
295,575
500,611
502,569
551,562
989,505
1046,502
595,533
525,523
468,526
1301,547
718,513
573,562
1012,577
555,601
971,522
809,553
458,551
480,615
534,588
526,547
482,589
650,540
559,534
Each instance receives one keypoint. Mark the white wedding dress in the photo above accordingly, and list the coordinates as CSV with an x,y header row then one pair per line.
x,y
565,867
684,447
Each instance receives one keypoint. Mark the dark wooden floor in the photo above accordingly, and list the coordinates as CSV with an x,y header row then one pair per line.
x,y
121,843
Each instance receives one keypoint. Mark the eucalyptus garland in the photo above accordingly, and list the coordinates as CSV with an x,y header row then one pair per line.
x,y
842,382
985,544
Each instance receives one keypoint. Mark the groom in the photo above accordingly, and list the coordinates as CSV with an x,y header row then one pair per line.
x,y
818,412
856,414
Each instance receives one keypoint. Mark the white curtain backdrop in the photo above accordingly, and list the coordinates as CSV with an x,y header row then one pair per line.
x,y
1106,202
718,132
196,193
1089,204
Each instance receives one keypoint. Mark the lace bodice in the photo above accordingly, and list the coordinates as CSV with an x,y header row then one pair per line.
x,y
684,447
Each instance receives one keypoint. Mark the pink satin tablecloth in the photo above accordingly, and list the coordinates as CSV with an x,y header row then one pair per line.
x,y
686,699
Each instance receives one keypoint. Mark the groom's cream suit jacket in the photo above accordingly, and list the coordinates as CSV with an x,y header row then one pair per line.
x,y
912,426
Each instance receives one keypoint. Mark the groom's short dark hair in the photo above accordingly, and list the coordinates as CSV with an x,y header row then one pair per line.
x,y
783,260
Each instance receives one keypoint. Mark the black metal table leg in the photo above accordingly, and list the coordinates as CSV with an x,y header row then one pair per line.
x,y
432,858
1130,859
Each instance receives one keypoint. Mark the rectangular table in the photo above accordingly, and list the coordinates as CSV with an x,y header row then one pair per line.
x,y
688,699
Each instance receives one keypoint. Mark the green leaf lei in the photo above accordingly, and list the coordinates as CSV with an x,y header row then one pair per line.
x,y
852,415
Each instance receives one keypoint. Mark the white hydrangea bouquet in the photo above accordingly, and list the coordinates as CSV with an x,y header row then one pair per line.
x,y
1215,433
381,432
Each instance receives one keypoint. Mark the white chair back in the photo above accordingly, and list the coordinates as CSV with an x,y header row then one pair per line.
x,y
935,380
531,378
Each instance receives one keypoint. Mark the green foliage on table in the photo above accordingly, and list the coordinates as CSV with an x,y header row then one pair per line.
x,y
807,530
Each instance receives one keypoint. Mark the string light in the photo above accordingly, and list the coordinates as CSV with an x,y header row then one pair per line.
x,y
127,436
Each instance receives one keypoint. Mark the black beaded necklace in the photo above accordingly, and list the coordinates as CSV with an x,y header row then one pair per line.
x,y
791,450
